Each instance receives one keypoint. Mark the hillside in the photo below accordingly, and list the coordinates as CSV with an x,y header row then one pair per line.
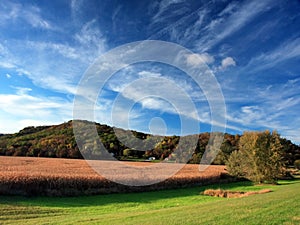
x,y
58,141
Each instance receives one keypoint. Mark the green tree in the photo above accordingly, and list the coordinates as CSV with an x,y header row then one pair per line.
x,y
258,158
235,165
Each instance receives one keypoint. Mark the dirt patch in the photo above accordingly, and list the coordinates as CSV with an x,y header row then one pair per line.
x,y
232,194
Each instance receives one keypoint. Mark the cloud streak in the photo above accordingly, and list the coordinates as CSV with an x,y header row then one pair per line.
x,y
31,110
53,65
14,12
288,50
274,108
234,17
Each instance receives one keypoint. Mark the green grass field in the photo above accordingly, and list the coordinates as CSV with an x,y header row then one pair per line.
x,y
182,206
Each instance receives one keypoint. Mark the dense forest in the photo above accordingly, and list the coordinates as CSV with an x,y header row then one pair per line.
x,y
59,141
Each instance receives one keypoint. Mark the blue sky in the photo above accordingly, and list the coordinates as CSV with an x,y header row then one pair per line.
x,y
252,47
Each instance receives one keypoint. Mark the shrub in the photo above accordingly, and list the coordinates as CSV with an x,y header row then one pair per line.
x,y
297,164
232,194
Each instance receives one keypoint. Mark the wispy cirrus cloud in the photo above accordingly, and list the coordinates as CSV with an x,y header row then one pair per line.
x,y
42,67
204,32
169,19
12,12
51,64
287,50
231,19
33,16
92,41
162,7
274,108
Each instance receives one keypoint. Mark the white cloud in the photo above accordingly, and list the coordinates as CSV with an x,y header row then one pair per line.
x,y
21,72
7,65
151,94
60,84
50,47
32,122
272,107
292,133
53,65
227,62
8,76
266,116
33,16
199,59
91,37
3,49
158,104
10,125
22,104
292,82
22,90
161,94
149,74
22,109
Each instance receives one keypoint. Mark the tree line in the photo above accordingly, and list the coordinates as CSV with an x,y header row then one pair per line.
x,y
59,142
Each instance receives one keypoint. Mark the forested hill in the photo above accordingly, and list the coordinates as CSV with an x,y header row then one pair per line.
x,y
58,141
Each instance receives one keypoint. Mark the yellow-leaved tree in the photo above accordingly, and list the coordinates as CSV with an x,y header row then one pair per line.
x,y
258,158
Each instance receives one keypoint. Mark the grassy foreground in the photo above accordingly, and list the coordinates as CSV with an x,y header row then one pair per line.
x,y
182,206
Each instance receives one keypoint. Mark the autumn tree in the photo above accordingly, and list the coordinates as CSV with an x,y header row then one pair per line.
x,y
258,158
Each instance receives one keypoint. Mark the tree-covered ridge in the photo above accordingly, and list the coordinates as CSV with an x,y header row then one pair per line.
x,y
59,141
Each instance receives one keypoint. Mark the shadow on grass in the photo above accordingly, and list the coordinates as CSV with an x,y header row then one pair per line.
x,y
290,181
106,199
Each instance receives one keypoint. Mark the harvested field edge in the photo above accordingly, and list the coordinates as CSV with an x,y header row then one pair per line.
x,y
58,186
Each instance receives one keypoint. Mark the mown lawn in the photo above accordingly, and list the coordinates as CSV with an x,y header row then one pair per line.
x,y
182,206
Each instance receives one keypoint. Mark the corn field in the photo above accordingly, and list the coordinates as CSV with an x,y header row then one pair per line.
x,y
72,177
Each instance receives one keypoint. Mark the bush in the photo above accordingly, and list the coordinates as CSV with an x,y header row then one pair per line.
x,y
232,194
297,164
